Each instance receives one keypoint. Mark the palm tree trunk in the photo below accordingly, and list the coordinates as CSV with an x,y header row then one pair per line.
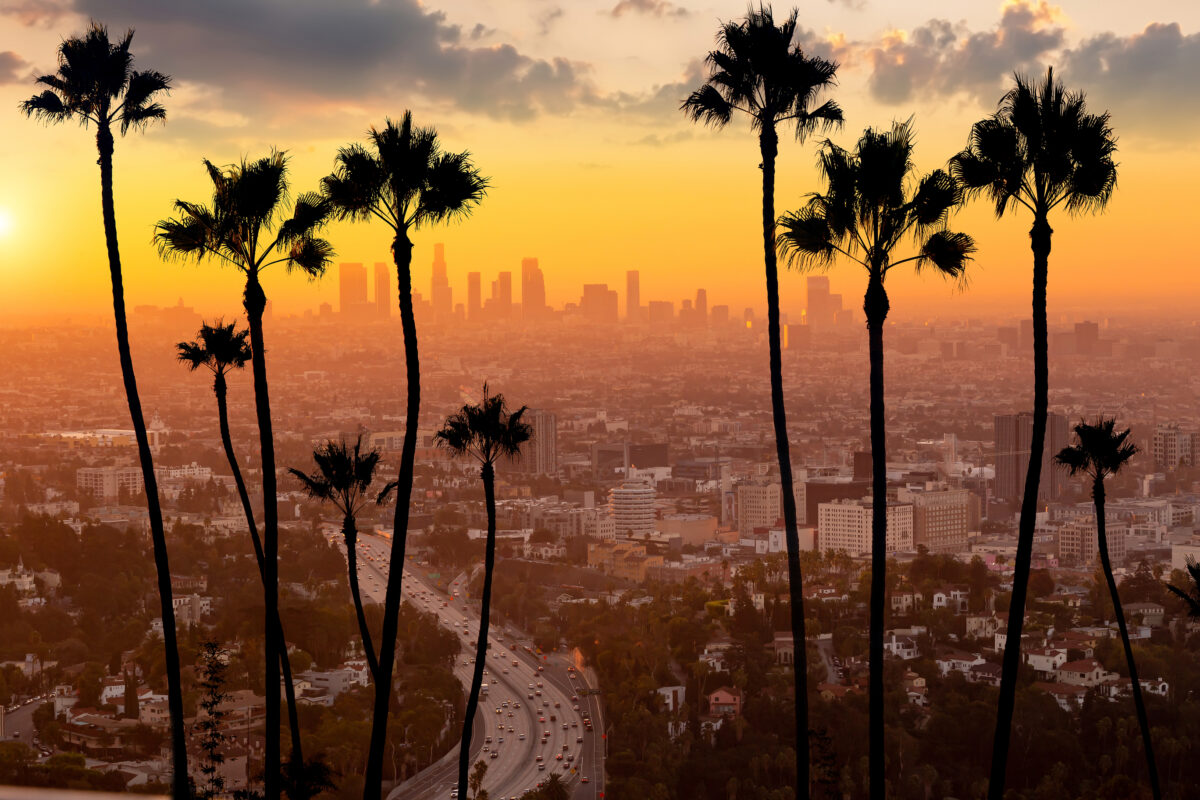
x,y
373,778
1143,721
876,307
255,301
769,146
179,778
219,388
1039,236
350,534
489,563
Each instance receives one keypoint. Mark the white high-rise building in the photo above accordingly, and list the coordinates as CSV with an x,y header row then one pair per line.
x,y
631,506
1172,447
1079,541
759,505
939,517
846,525
543,446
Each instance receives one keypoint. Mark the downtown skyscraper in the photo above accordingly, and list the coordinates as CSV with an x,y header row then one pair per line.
x,y
533,291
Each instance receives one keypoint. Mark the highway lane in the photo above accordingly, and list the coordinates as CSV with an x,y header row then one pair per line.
x,y
538,712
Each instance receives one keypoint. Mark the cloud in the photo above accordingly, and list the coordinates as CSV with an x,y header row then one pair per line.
x,y
945,58
13,68
36,12
275,54
652,8
546,19
1148,79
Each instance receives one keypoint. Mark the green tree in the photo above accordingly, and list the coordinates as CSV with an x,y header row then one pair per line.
x,y
486,432
1041,150
873,202
96,84
756,70
245,228
1100,451
342,477
409,183
476,780
220,348
211,716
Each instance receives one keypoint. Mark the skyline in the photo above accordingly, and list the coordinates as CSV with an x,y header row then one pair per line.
x,y
601,145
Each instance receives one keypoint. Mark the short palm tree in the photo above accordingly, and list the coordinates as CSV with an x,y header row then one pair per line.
x,y
96,84
406,180
220,348
486,432
342,477
756,70
245,228
1043,151
1099,451
873,202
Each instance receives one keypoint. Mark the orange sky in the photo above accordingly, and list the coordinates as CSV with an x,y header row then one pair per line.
x,y
573,117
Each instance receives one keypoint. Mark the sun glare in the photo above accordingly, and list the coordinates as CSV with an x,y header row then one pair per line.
x,y
6,222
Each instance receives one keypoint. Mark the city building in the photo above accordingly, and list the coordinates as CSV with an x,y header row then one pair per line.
x,y
599,303
384,297
1173,447
1013,437
759,505
533,290
846,525
633,296
542,450
660,312
352,291
1078,541
939,517
474,296
440,293
108,482
631,506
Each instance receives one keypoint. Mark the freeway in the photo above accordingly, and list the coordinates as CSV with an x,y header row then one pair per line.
x,y
530,724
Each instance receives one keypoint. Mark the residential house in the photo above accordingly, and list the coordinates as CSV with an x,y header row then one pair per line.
x,y
726,701
950,660
1086,672
1045,660
986,672
1068,696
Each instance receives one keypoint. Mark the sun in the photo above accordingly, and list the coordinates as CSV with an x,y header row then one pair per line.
x,y
6,222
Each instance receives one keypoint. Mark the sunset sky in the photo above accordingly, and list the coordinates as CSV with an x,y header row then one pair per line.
x,y
572,110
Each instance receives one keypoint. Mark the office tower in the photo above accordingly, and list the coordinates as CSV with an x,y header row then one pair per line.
x,y
543,445
533,290
633,296
352,289
819,306
661,312
1078,542
440,295
759,505
846,525
500,304
474,296
1173,448
631,506
1014,436
1087,338
701,307
687,315
811,493
939,517
719,315
599,303
383,290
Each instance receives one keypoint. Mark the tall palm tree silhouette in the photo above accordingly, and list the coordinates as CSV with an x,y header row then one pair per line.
x,y
872,203
342,477
1101,451
245,228
408,182
220,348
1041,150
486,432
96,84
757,71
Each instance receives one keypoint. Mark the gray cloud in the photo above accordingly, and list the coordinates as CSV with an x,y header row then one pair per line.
x,y
653,8
547,18
282,51
13,68
36,12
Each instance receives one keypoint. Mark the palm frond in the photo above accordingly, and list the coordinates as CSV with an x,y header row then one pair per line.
x,y
805,240
949,252
46,107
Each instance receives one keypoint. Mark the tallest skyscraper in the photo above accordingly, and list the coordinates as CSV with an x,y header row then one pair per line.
x,y
533,290
633,296
439,292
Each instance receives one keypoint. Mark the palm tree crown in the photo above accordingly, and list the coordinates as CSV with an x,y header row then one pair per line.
x,y
486,431
1099,451
97,84
342,476
872,203
757,70
1041,149
407,181
1190,594
244,226
219,348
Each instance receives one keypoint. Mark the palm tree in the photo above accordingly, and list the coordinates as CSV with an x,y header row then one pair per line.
x,y
1101,451
244,228
96,84
1040,150
756,70
220,348
406,180
342,478
873,202
1191,594
487,432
